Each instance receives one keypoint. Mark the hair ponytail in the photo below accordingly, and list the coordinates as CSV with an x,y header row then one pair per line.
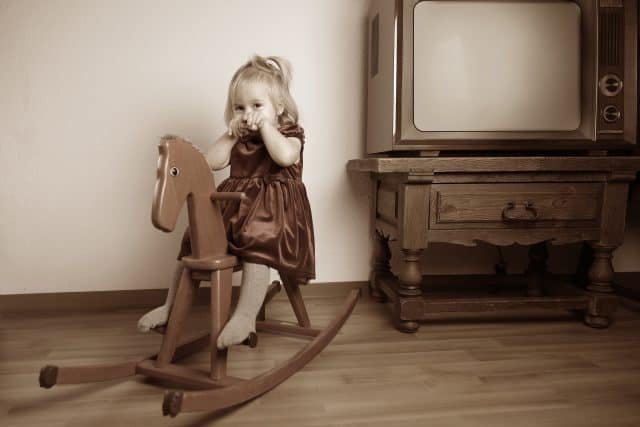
x,y
280,66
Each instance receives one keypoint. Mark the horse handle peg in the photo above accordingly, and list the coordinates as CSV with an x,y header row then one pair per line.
x,y
229,195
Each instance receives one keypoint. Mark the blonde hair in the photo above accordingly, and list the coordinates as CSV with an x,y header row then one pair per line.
x,y
273,71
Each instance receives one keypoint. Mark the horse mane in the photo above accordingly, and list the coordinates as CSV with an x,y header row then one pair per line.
x,y
169,137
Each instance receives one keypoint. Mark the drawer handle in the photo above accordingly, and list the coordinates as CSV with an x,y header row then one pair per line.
x,y
508,216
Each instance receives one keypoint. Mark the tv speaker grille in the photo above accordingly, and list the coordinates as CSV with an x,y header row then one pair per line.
x,y
611,36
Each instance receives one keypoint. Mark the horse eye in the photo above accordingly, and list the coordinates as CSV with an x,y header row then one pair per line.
x,y
174,171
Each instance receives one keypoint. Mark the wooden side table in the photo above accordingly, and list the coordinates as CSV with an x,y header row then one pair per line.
x,y
502,201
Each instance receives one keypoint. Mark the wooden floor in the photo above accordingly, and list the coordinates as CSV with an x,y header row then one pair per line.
x,y
540,368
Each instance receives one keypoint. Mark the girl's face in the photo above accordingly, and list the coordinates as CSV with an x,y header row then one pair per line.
x,y
253,97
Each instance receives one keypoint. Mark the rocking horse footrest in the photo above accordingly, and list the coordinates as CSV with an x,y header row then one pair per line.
x,y
184,376
51,375
289,329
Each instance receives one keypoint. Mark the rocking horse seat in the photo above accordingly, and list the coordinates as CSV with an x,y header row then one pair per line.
x,y
211,263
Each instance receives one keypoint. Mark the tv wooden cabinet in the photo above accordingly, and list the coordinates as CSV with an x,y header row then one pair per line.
x,y
502,201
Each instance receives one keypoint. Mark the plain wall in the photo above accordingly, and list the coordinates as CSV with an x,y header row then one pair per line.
x,y
88,87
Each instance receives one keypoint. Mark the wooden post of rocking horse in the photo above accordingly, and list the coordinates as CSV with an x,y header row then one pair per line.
x,y
295,297
221,298
179,311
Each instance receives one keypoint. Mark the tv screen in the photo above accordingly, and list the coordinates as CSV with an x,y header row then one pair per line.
x,y
496,66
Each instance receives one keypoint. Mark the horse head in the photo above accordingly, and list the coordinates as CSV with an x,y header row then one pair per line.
x,y
182,170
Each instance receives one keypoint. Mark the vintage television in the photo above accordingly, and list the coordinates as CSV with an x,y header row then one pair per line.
x,y
501,75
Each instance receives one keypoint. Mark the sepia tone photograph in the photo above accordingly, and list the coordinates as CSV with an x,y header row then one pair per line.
x,y
380,213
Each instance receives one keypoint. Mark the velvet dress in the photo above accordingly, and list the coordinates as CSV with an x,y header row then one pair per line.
x,y
273,226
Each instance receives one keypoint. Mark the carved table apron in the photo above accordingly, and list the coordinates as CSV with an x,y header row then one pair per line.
x,y
502,201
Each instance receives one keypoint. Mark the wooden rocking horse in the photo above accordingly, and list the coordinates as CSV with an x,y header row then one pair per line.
x,y
183,174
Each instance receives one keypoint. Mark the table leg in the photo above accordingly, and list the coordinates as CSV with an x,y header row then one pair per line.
x,y
409,289
602,303
380,265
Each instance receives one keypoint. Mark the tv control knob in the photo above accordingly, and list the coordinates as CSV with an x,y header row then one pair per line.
x,y
611,114
610,85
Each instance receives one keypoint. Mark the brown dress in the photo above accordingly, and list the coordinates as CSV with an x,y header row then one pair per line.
x,y
274,226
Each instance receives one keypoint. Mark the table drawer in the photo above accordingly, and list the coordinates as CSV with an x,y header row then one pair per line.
x,y
505,205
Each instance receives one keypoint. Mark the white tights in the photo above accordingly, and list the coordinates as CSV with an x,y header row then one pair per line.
x,y
255,282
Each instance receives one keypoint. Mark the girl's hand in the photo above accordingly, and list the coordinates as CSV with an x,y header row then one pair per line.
x,y
255,121
237,127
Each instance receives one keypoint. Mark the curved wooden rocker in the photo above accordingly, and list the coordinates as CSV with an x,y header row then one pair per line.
x,y
184,175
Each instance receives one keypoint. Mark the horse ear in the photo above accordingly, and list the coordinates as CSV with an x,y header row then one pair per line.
x,y
163,147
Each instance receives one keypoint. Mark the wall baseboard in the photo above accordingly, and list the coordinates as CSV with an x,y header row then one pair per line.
x,y
627,285
132,299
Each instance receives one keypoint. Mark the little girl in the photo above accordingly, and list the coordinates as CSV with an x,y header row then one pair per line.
x,y
273,227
